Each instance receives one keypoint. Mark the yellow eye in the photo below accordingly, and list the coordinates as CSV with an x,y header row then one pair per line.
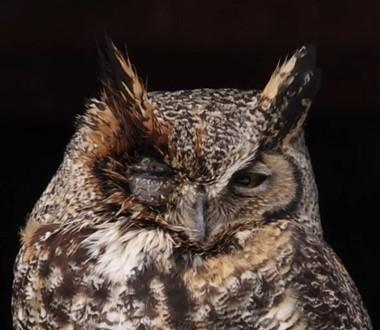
x,y
249,180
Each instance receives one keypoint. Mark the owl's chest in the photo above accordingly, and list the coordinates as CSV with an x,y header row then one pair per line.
x,y
174,301
137,285
228,291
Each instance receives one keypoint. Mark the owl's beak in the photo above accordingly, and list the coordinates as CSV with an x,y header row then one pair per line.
x,y
200,220
191,213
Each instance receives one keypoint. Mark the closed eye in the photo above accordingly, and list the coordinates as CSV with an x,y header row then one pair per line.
x,y
152,174
151,169
150,181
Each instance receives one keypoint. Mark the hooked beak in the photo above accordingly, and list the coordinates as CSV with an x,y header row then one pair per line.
x,y
190,213
200,220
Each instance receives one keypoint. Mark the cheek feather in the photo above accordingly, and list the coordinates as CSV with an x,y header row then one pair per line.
x,y
282,187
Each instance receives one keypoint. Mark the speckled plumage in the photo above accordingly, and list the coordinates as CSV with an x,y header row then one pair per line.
x,y
185,210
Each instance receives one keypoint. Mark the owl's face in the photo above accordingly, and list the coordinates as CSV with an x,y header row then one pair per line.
x,y
202,163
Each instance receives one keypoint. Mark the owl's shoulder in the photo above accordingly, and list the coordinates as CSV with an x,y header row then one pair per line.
x,y
327,294
50,270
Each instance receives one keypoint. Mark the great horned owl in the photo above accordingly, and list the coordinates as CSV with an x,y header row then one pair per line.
x,y
194,209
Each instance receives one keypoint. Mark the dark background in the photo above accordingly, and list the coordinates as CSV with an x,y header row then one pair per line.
x,y
49,66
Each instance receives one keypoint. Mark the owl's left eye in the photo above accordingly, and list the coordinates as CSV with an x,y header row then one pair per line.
x,y
249,180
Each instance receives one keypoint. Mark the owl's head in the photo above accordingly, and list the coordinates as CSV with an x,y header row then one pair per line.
x,y
200,164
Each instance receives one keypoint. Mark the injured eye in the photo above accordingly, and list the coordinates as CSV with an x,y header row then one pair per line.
x,y
251,180
151,168
150,181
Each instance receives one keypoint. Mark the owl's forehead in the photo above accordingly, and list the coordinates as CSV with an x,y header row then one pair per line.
x,y
211,128
184,104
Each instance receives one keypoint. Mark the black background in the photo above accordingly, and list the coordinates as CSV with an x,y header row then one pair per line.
x,y
49,66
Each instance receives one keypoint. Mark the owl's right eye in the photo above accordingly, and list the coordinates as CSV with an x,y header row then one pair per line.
x,y
148,167
150,181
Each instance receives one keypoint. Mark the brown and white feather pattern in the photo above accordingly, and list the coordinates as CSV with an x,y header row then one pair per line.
x,y
185,210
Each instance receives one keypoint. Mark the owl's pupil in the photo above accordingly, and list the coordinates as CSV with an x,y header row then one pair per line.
x,y
243,180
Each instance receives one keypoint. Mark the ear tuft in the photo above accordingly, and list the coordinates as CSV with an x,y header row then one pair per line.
x,y
124,117
119,78
293,75
287,96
